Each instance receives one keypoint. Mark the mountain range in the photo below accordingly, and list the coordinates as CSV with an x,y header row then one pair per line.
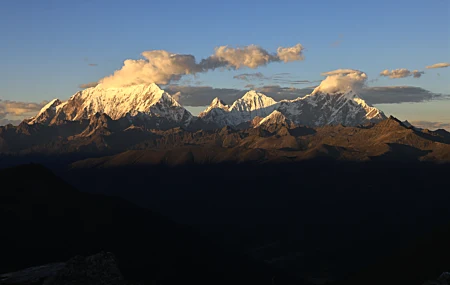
x,y
146,122
149,103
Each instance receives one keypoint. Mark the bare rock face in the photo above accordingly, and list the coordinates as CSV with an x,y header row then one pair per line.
x,y
97,269
31,276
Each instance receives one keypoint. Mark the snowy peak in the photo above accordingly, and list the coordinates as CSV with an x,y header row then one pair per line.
x,y
319,109
275,118
215,104
144,101
245,109
338,96
47,112
118,102
348,100
315,109
252,101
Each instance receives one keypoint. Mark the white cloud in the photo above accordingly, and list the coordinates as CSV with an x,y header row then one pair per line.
x,y
163,67
401,73
341,80
159,66
289,54
438,65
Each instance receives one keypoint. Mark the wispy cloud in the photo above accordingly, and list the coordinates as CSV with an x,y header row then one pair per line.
x,y
88,85
401,73
284,78
438,65
338,41
289,79
250,86
280,93
250,76
92,64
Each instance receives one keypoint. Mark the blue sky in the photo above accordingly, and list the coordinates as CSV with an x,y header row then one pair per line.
x,y
47,46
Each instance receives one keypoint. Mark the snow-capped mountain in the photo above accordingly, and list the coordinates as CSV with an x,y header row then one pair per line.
x,y
252,104
144,101
319,109
274,122
151,106
47,113
275,118
316,109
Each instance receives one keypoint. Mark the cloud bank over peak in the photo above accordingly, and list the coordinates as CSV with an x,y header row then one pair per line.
x,y
401,73
342,80
163,67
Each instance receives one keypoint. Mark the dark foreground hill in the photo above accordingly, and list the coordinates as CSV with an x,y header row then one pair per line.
x,y
44,220
318,219
421,260
351,223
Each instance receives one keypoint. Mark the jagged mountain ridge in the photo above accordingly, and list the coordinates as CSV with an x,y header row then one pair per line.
x,y
274,138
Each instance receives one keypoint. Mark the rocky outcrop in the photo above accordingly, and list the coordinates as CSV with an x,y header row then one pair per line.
x,y
98,269
444,279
